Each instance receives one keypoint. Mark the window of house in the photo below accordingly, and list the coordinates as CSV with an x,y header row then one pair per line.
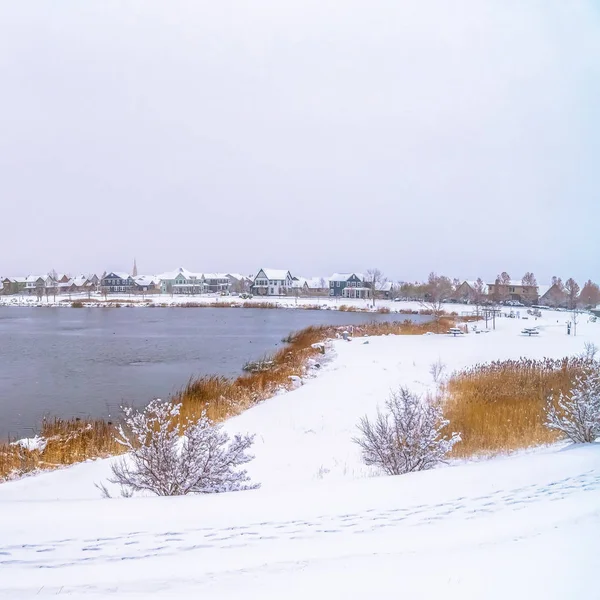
x,y
337,284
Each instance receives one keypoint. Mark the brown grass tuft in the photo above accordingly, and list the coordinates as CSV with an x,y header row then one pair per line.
x,y
499,407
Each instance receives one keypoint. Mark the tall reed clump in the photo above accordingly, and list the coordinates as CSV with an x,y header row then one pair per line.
x,y
68,441
499,407
222,397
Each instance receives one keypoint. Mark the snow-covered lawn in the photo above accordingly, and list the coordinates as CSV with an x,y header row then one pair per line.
x,y
321,526
324,302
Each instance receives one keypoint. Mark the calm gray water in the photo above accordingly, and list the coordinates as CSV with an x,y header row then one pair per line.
x,y
87,362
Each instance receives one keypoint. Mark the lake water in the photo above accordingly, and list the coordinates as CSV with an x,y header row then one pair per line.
x,y
86,362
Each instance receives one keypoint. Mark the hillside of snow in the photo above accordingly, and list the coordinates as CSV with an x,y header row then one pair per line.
x,y
322,525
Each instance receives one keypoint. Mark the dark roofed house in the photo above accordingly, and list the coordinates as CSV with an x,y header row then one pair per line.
x,y
116,282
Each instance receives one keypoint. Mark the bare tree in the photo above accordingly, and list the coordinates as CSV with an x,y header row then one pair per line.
x,y
479,295
202,461
572,289
375,280
439,289
408,437
576,414
530,283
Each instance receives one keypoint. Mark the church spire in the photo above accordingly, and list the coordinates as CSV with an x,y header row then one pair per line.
x,y
134,274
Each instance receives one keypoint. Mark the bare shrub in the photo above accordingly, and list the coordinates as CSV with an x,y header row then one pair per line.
x,y
590,350
436,369
407,437
202,461
576,413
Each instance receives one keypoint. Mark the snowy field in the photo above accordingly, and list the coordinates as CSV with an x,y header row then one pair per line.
x,y
322,525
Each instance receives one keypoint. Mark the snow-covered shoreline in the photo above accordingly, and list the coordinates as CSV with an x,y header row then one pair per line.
x,y
321,521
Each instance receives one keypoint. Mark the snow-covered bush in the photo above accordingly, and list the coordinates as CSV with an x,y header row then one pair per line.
x,y
175,460
408,436
577,413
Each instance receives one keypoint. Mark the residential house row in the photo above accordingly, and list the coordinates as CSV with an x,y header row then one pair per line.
x,y
278,282
513,291
47,285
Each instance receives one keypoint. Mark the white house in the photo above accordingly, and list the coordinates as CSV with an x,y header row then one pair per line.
x,y
273,282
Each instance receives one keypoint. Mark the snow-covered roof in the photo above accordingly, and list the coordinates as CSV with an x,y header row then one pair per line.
x,y
239,276
169,275
33,278
315,282
299,282
145,280
512,282
17,279
78,281
119,274
384,286
275,273
215,276
543,289
473,284
345,276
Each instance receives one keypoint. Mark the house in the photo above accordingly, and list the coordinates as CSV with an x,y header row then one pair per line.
x,y
146,284
239,284
216,283
13,285
187,283
94,280
35,284
349,285
116,282
273,282
300,286
180,281
467,292
513,290
553,295
383,289
317,286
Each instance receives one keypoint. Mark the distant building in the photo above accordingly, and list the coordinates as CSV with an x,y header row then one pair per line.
x,y
513,290
554,295
13,285
349,285
216,283
35,284
238,283
273,282
146,284
384,290
467,291
116,282
181,281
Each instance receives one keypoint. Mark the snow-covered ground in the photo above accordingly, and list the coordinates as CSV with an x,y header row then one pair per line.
x,y
525,526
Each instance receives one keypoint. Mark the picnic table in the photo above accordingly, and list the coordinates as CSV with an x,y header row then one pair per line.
x,y
455,331
530,331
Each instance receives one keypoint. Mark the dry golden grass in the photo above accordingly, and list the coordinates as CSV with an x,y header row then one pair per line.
x,y
69,441
74,440
499,407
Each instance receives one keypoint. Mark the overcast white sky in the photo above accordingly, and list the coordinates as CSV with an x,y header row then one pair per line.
x,y
319,136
